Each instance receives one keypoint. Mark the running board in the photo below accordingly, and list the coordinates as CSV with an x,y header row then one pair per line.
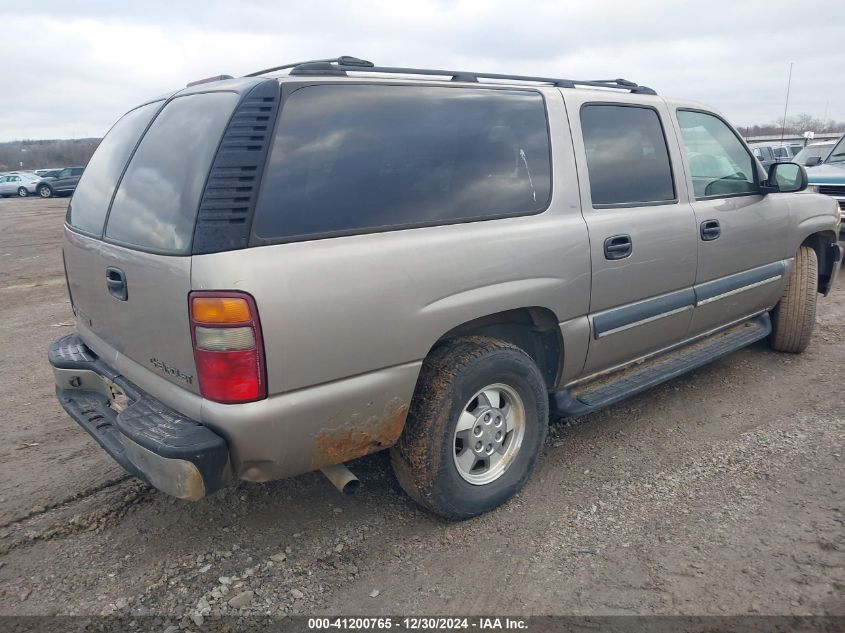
x,y
607,389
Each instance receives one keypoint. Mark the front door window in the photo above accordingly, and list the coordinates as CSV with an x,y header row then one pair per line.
x,y
719,163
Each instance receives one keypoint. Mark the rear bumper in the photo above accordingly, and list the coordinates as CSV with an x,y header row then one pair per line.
x,y
176,454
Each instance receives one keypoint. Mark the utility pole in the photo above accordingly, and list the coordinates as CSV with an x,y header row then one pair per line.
x,y
786,105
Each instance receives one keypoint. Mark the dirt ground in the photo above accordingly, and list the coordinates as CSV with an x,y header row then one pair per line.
x,y
717,493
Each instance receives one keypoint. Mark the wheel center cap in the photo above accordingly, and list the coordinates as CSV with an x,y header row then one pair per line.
x,y
488,433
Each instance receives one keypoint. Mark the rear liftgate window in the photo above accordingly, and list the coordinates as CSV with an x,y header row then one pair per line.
x,y
353,159
96,187
156,204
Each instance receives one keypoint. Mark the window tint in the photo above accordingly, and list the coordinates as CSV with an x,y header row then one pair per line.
x,y
157,200
94,191
719,162
356,157
627,158
76,171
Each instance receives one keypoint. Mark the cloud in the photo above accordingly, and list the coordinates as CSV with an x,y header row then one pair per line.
x,y
73,73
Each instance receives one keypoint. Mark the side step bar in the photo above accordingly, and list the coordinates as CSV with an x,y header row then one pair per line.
x,y
607,389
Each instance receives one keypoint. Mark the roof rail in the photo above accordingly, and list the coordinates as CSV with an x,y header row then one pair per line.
x,y
344,60
340,66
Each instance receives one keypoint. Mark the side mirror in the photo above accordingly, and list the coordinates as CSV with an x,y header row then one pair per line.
x,y
812,161
785,178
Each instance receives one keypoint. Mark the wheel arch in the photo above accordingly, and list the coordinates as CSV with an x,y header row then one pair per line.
x,y
823,242
535,330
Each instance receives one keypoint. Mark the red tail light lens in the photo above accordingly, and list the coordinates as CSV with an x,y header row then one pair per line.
x,y
229,377
228,346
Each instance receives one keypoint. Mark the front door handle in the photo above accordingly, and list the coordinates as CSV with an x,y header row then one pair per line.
x,y
116,283
618,247
710,230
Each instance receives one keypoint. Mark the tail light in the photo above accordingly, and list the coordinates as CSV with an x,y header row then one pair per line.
x,y
228,347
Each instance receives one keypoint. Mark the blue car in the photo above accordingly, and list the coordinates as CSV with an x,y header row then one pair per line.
x,y
828,177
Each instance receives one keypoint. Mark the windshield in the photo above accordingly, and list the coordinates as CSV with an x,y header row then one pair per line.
x,y
838,153
811,151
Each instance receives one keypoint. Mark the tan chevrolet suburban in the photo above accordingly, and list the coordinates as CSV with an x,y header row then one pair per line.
x,y
280,273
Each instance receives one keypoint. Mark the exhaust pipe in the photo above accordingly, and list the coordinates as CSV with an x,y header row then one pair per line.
x,y
341,478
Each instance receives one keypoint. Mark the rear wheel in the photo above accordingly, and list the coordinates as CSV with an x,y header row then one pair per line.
x,y
795,314
475,427
22,192
45,191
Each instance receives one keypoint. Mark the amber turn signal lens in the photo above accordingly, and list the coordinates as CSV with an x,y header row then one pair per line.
x,y
220,310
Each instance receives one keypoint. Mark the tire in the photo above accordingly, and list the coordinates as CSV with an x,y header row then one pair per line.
x,y
426,458
795,314
45,191
22,192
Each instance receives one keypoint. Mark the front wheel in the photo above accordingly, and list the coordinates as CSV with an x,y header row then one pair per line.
x,y
22,192
475,427
795,314
45,191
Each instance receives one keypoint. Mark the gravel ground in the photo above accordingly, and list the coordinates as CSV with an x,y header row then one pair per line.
x,y
717,493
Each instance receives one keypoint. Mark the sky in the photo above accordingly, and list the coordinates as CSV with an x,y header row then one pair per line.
x,y
70,69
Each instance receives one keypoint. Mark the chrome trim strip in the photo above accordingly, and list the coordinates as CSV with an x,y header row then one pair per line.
x,y
662,350
629,315
730,293
628,326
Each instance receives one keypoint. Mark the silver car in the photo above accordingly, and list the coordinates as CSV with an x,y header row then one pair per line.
x,y
19,184
284,272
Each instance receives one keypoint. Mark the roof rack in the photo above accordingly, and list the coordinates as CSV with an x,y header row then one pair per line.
x,y
340,65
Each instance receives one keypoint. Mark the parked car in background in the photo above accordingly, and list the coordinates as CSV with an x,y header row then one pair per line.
x,y
828,177
47,171
19,184
769,153
814,154
60,182
427,265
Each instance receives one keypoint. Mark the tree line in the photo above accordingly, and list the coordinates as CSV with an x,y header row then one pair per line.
x,y
47,153
795,124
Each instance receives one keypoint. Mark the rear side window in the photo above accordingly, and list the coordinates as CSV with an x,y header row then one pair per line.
x,y
627,157
94,192
156,203
356,158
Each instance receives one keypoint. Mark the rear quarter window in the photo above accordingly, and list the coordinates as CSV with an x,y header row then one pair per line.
x,y
94,192
360,158
156,203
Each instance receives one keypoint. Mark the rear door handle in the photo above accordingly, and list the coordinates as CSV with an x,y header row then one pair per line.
x,y
618,247
116,283
710,230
